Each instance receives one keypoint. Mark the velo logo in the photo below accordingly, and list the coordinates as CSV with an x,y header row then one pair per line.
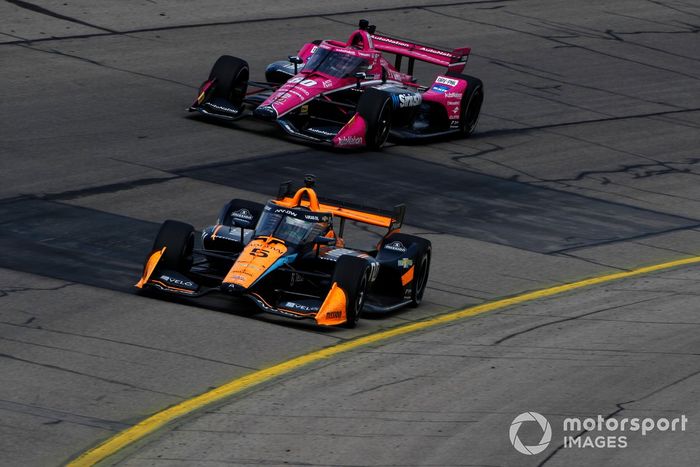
x,y
546,433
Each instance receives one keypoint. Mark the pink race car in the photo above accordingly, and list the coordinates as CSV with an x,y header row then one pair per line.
x,y
347,94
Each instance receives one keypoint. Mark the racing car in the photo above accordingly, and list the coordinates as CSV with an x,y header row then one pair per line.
x,y
347,94
289,257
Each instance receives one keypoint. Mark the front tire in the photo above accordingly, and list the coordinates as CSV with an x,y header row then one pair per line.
x,y
352,275
178,240
231,74
376,108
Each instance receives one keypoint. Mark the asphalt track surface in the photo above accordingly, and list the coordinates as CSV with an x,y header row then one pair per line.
x,y
585,163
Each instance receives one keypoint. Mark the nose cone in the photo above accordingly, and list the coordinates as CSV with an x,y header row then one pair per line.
x,y
256,260
296,92
266,112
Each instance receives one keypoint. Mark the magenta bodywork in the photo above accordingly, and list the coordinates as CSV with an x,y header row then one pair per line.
x,y
301,89
448,92
307,85
352,135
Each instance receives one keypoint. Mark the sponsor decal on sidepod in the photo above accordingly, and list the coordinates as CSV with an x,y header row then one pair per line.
x,y
447,81
395,246
409,100
242,214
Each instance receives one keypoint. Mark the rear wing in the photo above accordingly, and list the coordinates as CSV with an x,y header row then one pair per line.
x,y
455,61
391,220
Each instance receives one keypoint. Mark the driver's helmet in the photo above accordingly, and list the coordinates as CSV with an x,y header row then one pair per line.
x,y
358,41
295,229
299,231
337,62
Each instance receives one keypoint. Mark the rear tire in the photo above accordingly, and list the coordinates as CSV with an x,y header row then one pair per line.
x,y
471,103
421,262
178,240
376,108
421,277
231,74
352,275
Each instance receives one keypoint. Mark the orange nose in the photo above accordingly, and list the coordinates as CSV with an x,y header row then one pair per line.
x,y
254,261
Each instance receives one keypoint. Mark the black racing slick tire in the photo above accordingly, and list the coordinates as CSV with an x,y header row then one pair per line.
x,y
178,240
421,263
376,108
352,274
421,276
231,74
471,103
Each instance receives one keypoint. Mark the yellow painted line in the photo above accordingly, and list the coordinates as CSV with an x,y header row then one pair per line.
x,y
160,419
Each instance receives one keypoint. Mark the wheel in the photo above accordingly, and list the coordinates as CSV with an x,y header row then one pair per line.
x,y
421,263
240,213
178,240
471,103
352,275
231,74
420,277
376,108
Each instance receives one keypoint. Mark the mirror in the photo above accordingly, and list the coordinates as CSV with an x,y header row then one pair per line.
x,y
296,60
360,75
321,240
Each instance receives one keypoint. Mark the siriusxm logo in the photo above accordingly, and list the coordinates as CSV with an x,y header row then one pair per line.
x,y
407,100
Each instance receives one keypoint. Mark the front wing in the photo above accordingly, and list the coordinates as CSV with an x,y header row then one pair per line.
x,y
326,311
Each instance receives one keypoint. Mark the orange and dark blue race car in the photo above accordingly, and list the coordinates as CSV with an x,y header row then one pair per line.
x,y
289,257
